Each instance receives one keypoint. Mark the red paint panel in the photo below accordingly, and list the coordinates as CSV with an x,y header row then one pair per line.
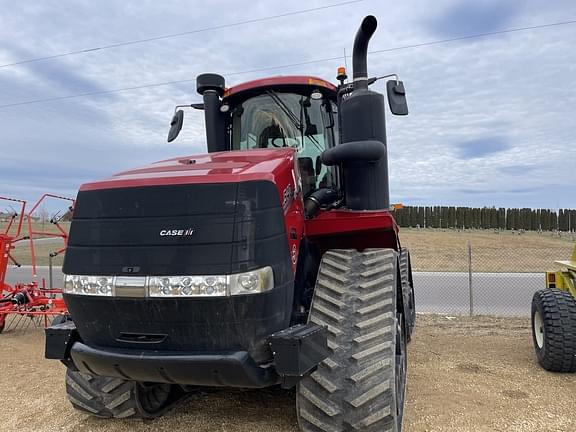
x,y
222,167
348,221
294,213
279,81
348,229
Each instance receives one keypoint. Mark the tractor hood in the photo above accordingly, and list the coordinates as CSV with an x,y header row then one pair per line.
x,y
222,167
214,214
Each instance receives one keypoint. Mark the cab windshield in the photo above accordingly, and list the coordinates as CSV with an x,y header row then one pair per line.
x,y
276,120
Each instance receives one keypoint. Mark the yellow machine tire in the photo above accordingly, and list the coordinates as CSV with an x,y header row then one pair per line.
x,y
554,329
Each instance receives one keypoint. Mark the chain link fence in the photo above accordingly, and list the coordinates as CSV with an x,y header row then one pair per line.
x,y
483,279
456,272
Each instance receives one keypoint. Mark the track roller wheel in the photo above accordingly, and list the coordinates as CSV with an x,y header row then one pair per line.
x,y
361,385
554,329
116,398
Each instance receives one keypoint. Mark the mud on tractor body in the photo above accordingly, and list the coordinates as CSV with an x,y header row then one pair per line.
x,y
273,259
554,319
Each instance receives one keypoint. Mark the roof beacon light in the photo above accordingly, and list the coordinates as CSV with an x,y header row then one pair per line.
x,y
341,75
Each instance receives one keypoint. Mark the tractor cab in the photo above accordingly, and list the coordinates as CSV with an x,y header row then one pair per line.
x,y
302,118
296,112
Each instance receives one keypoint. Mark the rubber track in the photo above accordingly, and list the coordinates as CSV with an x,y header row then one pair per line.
x,y
353,389
558,311
104,396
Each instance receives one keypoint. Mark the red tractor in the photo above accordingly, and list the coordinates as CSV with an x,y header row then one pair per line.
x,y
271,260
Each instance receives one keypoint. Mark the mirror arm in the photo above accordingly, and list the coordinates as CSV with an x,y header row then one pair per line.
x,y
348,88
374,79
198,106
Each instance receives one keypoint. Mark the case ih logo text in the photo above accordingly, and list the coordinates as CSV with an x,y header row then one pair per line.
x,y
177,232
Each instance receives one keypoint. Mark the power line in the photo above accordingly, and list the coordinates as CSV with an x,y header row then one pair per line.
x,y
186,33
286,66
165,83
477,35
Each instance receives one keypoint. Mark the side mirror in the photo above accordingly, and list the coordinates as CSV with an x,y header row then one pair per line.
x,y
176,125
397,97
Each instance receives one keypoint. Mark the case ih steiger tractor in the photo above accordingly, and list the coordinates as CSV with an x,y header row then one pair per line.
x,y
271,260
554,319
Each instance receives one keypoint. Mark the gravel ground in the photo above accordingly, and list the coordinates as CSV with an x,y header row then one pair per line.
x,y
466,374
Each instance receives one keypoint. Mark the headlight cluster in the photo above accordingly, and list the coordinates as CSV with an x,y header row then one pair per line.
x,y
176,286
89,285
252,282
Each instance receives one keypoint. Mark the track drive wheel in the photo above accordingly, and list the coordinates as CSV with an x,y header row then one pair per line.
x,y
116,398
361,385
554,329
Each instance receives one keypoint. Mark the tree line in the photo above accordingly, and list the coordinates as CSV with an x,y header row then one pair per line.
x,y
487,218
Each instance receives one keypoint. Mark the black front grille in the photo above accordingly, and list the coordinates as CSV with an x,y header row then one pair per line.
x,y
223,228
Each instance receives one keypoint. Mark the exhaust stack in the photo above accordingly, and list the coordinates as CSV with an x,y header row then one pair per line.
x,y
362,153
360,52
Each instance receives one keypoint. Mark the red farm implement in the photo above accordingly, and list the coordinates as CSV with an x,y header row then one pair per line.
x,y
24,304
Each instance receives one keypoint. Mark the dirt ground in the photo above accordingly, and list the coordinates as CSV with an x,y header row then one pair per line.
x,y
465,374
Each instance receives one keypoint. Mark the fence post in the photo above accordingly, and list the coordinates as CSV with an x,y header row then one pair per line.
x,y
470,290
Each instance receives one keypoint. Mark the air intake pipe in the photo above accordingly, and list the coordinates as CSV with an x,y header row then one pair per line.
x,y
363,153
211,87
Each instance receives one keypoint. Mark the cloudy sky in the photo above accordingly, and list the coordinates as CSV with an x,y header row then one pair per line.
x,y
492,121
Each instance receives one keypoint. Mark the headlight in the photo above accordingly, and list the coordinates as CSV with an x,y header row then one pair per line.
x,y
89,285
187,286
252,282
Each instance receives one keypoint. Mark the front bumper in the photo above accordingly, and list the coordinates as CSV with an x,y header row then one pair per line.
x,y
229,369
296,352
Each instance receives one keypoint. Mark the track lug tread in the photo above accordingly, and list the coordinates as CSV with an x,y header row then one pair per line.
x,y
373,418
370,370
371,394
373,321
353,389
382,331
109,397
324,382
375,306
328,312
326,407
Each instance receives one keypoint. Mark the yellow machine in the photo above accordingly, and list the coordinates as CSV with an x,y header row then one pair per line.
x,y
554,319
564,279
